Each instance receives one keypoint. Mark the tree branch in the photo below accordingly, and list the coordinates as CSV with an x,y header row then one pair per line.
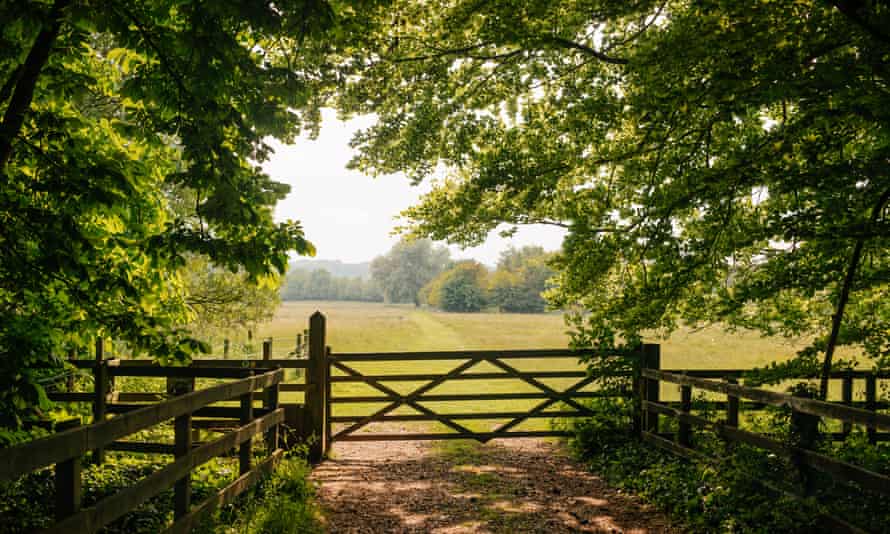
x,y
851,9
23,94
845,296
440,52
567,43
7,88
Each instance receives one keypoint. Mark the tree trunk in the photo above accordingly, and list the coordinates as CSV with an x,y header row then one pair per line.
x,y
844,297
28,74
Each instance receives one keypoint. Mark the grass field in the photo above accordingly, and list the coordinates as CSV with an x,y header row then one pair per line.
x,y
368,327
372,327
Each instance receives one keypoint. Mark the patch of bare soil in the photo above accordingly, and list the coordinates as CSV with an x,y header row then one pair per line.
x,y
516,486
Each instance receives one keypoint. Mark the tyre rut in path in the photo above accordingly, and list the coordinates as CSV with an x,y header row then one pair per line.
x,y
516,486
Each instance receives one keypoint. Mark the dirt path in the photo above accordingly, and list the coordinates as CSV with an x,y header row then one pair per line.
x,y
513,486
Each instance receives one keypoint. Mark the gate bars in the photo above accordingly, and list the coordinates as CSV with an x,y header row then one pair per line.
x,y
414,399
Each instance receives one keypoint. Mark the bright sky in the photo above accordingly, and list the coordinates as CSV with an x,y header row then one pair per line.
x,y
350,216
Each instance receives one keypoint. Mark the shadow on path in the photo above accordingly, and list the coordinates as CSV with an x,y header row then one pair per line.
x,y
516,486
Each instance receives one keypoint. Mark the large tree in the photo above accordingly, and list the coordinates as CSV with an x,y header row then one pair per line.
x,y
112,113
722,160
459,289
407,267
520,280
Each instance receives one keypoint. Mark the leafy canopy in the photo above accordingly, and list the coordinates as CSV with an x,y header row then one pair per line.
x,y
131,135
718,160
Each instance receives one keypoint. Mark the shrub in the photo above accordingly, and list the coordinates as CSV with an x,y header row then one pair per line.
x,y
283,504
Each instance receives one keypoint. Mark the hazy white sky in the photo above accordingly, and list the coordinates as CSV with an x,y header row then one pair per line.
x,y
350,216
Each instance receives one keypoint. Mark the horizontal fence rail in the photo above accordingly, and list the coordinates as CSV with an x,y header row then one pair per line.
x,y
805,405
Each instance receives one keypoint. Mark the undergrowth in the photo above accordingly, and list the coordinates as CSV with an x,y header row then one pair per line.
x,y
729,495
281,504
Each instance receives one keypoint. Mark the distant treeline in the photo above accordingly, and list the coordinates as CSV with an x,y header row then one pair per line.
x,y
420,273
319,284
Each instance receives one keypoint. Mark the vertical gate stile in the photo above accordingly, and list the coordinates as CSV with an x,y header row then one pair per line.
x,y
327,397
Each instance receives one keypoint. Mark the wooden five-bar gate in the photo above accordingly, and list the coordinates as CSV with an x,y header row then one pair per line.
x,y
335,370
461,370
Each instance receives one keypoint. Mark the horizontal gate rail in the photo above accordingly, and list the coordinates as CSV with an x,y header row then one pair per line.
x,y
468,416
474,354
479,436
471,397
465,376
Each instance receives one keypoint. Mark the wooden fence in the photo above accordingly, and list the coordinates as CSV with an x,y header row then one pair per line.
x,y
806,416
66,449
117,415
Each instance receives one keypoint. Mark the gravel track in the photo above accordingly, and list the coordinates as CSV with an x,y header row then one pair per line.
x,y
515,486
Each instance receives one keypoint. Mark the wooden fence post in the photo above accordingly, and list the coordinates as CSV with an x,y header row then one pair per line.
x,y
638,392
245,449
732,406
805,435
651,360
684,433
317,379
100,390
270,401
182,490
226,348
69,380
871,403
183,437
847,398
272,434
69,487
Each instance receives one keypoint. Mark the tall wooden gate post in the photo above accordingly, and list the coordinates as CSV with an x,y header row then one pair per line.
x,y
316,398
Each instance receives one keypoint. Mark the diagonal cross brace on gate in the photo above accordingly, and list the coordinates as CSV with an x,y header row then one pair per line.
x,y
554,396
407,399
